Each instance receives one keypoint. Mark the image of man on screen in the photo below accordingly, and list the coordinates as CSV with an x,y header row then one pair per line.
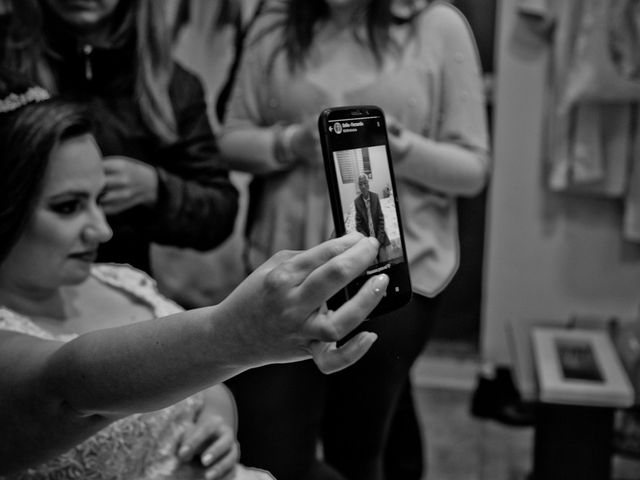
x,y
369,216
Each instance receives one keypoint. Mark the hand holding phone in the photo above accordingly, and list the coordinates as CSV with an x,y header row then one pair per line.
x,y
357,159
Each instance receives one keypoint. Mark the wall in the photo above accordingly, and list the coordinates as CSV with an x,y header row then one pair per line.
x,y
548,256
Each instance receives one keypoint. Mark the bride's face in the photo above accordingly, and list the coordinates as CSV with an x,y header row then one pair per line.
x,y
62,237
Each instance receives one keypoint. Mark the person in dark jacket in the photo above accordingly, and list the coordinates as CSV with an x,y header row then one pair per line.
x,y
166,182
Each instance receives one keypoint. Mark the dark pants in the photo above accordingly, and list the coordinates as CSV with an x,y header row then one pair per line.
x,y
284,409
362,400
403,455
279,419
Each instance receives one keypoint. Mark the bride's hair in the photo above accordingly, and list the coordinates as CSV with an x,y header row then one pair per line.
x,y
28,134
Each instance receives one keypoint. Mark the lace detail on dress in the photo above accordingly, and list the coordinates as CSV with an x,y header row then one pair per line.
x,y
138,284
138,447
14,322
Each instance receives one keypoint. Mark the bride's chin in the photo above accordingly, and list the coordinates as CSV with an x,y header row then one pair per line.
x,y
78,274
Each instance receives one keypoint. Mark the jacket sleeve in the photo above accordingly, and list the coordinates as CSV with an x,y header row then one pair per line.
x,y
361,221
381,233
197,203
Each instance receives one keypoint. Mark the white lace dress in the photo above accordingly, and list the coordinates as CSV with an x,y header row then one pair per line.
x,y
138,447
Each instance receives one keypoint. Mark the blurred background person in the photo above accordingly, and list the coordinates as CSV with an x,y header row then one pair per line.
x,y
209,43
420,64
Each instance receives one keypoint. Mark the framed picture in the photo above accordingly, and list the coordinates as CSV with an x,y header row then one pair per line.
x,y
579,367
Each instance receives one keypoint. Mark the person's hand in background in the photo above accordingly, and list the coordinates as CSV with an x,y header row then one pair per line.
x,y
399,140
129,183
305,142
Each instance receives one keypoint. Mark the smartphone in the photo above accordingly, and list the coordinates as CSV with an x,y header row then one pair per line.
x,y
363,196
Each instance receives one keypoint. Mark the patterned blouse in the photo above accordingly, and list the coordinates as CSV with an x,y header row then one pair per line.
x,y
141,446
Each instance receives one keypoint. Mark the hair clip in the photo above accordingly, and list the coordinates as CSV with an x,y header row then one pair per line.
x,y
14,101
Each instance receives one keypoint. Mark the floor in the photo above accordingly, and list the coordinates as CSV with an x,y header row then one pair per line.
x,y
461,447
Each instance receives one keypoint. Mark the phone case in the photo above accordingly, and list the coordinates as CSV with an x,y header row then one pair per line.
x,y
363,194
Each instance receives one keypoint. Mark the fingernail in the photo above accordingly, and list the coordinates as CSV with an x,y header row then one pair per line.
x,y
370,335
206,459
211,474
184,451
380,284
374,241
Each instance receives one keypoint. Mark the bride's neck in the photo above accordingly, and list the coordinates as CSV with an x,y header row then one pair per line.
x,y
35,302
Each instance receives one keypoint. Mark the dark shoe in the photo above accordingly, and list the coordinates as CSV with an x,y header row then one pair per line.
x,y
497,398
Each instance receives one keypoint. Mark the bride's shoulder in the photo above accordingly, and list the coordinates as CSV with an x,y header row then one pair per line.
x,y
137,284
123,276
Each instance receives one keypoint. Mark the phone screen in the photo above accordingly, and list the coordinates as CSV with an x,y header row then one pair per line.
x,y
363,192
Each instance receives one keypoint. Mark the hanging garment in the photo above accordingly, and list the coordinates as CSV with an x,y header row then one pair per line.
x,y
605,66
594,86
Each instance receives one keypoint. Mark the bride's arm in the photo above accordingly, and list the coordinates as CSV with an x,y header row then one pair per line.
x,y
53,395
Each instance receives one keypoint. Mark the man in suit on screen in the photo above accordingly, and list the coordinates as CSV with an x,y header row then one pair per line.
x,y
369,216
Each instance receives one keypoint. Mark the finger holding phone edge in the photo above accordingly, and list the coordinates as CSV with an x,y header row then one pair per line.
x,y
330,277
334,325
